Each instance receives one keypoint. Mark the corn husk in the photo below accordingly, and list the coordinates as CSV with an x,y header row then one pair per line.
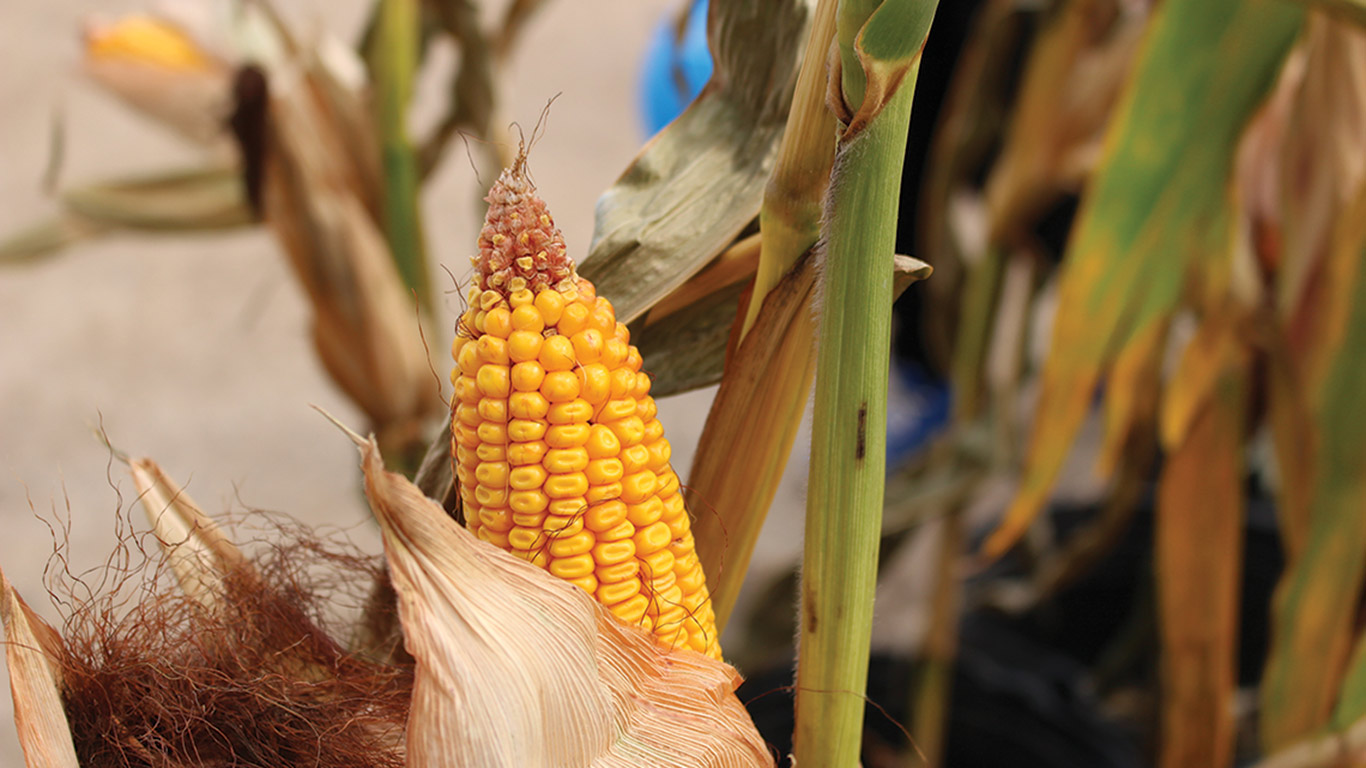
x,y
158,68
198,552
518,668
31,651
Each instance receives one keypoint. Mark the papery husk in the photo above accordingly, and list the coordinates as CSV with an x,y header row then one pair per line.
x,y
200,555
518,668
32,649
159,69
315,198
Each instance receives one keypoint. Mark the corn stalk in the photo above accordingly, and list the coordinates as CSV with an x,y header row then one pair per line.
x,y
880,46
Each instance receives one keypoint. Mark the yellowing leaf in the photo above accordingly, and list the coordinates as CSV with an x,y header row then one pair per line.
x,y
1158,212
518,668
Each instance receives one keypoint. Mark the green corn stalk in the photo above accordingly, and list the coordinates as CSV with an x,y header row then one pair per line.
x,y
880,45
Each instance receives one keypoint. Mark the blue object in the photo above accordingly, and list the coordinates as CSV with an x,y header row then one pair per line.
x,y
676,67
918,407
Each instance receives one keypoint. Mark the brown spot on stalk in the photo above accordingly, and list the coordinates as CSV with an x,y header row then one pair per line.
x,y
861,441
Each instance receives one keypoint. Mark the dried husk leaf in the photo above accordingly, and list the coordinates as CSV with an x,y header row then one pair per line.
x,y
365,324
697,184
200,555
518,668
159,69
31,652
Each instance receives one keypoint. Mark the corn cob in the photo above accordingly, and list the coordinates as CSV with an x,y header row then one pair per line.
x,y
559,455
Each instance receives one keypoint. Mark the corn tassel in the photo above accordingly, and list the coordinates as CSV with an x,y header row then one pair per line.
x,y
559,455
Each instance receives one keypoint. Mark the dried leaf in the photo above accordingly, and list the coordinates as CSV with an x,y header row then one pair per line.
x,y
1313,621
32,650
1199,558
518,668
1071,83
698,183
199,553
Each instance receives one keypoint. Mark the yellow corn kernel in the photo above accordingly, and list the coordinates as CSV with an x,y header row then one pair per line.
x,y
574,567
576,411
603,471
527,377
528,318
631,611
595,383
646,409
566,486
528,502
495,519
623,382
493,350
469,361
557,354
496,538
561,387
617,409
634,459
658,564
566,436
492,432
468,414
619,572
563,525
527,478
568,546
574,319
653,431
526,430
493,409
493,380
610,552
522,454
466,391
533,520
614,355
668,484
498,322
587,583
602,492
602,443
611,594
638,487
619,532
652,539
493,474
525,538
527,405
605,516
588,345
551,305
630,431
565,460
644,513
491,497
524,346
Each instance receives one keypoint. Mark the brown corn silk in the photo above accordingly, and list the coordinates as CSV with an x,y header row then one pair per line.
x,y
559,455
